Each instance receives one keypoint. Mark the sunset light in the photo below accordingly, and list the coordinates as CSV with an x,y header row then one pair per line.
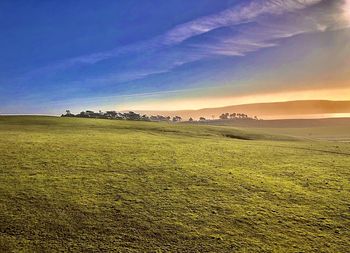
x,y
175,126
346,10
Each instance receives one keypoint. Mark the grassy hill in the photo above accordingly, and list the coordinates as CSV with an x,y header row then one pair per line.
x,y
336,129
287,109
89,185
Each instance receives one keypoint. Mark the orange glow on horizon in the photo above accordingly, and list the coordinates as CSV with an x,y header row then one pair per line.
x,y
171,104
346,9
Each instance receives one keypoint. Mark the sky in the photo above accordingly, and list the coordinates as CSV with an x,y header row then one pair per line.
x,y
170,55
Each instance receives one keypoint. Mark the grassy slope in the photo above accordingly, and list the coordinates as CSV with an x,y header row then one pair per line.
x,y
335,129
337,133
98,185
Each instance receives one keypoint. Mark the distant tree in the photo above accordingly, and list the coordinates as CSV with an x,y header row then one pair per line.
x,y
112,114
177,119
68,114
159,118
145,117
202,119
132,116
190,119
232,115
224,115
120,116
153,118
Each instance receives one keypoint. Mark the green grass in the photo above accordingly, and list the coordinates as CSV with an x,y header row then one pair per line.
x,y
334,133
101,186
331,129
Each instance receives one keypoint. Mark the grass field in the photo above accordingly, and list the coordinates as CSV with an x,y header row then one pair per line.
x,y
338,133
84,185
333,129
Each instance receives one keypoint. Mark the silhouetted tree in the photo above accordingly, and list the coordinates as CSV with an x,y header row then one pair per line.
x,y
232,115
121,116
224,115
177,119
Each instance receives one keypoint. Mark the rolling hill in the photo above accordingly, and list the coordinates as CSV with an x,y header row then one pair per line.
x,y
289,109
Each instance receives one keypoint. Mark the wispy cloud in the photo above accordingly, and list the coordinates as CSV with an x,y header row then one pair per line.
x,y
246,28
268,30
247,12
233,16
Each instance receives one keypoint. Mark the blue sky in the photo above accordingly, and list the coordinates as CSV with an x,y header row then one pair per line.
x,y
173,54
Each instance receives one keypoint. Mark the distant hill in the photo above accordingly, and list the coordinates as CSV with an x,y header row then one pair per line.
x,y
278,123
289,109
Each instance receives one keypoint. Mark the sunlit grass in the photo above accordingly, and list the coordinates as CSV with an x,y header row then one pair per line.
x,y
99,185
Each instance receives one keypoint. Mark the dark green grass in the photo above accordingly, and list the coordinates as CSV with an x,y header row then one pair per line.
x,y
98,185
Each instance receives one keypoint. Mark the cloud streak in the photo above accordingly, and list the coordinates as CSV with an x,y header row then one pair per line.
x,y
233,16
248,28
236,31
247,12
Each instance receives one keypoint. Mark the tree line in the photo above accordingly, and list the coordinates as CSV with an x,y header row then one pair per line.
x,y
136,116
121,116
228,116
236,116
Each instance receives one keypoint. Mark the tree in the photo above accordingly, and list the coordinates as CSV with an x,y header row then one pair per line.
x,y
68,114
232,115
145,117
132,116
224,115
190,119
202,119
177,119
